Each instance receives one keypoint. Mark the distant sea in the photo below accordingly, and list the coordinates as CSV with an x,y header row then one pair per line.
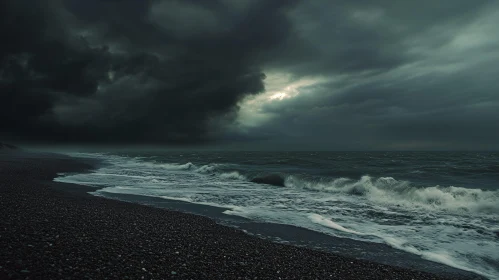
x,y
442,206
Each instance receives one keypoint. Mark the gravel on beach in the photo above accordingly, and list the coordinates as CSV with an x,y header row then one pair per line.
x,y
49,233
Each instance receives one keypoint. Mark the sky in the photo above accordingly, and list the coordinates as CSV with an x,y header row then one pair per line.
x,y
252,74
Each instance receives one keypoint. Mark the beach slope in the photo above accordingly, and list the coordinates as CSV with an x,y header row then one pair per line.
x,y
52,230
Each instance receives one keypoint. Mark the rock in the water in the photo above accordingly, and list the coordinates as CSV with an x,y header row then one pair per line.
x,y
273,179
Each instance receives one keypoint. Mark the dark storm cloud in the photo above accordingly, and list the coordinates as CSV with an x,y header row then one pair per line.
x,y
354,74
129,70
393,75
345,36
459,111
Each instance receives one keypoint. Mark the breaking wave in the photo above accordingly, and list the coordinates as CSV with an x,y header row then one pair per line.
x,y
387,190
451,225
232,176
177,166
383,190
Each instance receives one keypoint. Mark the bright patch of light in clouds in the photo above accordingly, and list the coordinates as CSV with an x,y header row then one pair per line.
x,y
282,86
279,87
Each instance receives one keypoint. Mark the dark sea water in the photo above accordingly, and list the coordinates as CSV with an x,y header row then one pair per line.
x,y
441,206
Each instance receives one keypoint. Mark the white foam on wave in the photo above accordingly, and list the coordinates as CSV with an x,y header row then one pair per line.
x,y
184,199
439,256
238,211
177,166
209,168
387,190
232,176
152,178
318,219
371,209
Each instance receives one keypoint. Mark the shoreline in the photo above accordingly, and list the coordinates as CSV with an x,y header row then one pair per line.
x,y
55,230
299,236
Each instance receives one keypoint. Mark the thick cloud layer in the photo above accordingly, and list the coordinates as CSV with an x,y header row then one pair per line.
x,y
258,74
384,75
130,70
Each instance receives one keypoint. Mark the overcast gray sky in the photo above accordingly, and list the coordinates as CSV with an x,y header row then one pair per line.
x,y
320,74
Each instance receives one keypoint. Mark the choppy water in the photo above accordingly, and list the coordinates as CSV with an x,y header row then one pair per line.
x,y
442,206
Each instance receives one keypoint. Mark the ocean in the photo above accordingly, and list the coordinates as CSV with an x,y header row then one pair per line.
x,y
439,206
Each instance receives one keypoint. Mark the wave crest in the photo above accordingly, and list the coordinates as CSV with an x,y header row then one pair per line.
x,y
177,166
232,176
387,190
205,169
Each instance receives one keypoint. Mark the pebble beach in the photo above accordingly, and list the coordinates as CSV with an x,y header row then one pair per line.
x,y
53,230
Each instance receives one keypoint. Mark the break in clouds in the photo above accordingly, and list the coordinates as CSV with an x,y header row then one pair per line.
x,y
131,71
290,74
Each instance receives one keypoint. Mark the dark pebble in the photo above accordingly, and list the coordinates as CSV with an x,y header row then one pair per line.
x,y
79,236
